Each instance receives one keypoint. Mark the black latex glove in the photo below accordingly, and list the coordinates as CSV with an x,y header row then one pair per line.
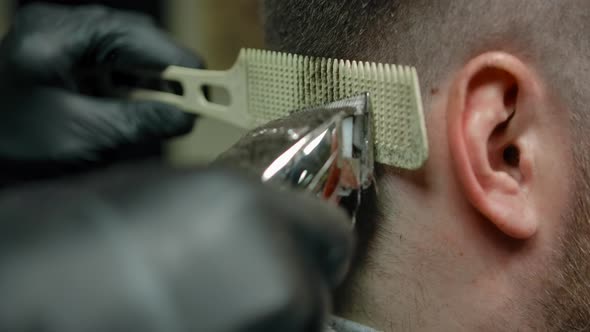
x,y
159,250
47,123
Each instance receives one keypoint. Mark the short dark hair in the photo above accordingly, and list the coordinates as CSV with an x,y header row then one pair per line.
x,y
438,36
336,29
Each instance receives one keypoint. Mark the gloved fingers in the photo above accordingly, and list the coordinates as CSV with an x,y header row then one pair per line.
x,y
257,246
147,238
112,122
324,231
48,42
79,127
128,40
323,234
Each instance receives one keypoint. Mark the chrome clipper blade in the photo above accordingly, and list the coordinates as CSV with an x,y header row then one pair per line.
x,y
326,150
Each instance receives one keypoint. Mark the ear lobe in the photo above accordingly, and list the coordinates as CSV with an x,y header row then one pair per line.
x,y
489,128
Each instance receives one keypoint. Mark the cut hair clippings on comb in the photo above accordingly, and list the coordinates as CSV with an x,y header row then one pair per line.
x,y
266,85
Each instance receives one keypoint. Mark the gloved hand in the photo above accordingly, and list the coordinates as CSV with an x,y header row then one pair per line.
x,y
149,249
47,123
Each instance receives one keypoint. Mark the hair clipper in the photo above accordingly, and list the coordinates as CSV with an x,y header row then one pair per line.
x,y
325,150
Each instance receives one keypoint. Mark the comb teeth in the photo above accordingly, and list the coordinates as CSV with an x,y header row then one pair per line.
x,y
279,83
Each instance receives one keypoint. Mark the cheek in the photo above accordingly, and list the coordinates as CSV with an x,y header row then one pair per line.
x,y
554,174
434,188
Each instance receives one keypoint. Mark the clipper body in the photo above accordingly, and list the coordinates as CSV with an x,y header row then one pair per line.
x,y
326,151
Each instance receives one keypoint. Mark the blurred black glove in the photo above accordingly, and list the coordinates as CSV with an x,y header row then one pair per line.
x,y
47,122
147,249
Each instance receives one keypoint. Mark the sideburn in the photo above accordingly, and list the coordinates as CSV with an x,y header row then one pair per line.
x,y
566,305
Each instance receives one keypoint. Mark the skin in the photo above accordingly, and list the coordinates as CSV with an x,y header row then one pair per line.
x,y
466,242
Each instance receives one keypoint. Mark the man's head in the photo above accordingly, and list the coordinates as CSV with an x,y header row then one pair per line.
x,y
494,231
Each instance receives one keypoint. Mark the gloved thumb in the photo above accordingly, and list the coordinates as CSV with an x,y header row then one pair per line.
x,y
110,123
83,127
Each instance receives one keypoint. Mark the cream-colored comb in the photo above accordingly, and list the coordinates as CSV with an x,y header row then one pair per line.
x,y
266,85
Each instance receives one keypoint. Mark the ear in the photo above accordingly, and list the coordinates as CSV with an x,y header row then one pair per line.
x,y
490,119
